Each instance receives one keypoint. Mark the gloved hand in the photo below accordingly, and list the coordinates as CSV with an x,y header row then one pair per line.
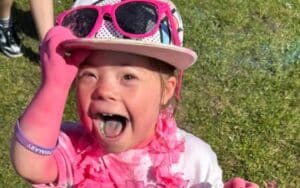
x,y
59,68
41,120
239,183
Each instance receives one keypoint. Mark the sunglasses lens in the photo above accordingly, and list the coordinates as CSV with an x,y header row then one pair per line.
x,y
137,17
81,21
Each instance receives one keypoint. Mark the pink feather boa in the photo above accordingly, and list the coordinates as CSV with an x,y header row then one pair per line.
x,y
130,169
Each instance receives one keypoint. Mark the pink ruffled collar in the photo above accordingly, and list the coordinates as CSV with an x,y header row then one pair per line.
x,y
131,168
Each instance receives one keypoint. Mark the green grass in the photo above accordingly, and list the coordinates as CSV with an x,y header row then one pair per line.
x,y
242,96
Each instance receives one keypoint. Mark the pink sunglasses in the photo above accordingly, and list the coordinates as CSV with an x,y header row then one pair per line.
x,y
131,18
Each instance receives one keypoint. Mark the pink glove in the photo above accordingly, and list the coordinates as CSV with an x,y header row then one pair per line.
x,y
41,121
239,183
58,69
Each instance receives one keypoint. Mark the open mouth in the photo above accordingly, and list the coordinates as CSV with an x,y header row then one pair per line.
x,y
111,125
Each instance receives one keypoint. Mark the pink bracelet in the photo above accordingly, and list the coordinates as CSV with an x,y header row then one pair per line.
x,y
29,145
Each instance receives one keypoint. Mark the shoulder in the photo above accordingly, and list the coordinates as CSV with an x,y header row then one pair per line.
x,y
72,139
199,162
195,146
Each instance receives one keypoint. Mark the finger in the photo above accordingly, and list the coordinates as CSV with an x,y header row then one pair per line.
x,y
251,185
227,184
78,56
235,183
60,32
54,37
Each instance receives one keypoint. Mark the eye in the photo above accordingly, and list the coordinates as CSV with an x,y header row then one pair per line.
x,y
87,75
129,77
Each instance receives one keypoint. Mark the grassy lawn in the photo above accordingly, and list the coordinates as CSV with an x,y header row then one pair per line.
x,y
242,96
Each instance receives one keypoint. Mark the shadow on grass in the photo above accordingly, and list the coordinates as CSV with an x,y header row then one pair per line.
x,y
25,26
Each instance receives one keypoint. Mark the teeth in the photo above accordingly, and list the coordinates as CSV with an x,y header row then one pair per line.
x,y
104,114
101,126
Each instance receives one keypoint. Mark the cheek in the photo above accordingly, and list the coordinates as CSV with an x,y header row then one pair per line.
x,y
146,99
83,102
83,95
147,107
145,122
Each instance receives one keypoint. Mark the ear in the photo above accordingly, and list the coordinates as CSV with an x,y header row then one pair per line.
x,y
169,89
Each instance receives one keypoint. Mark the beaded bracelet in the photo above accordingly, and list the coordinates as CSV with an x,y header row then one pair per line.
x,y
29,145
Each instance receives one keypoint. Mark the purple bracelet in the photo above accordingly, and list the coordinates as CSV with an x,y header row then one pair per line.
x,y
29,145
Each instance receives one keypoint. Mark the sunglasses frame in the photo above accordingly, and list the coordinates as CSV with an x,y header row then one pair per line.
x,y
162,9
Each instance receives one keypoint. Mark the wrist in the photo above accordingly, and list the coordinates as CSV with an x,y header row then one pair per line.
x,y
22,139
52,95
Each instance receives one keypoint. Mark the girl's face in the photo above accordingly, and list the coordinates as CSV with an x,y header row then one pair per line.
x,y
119,97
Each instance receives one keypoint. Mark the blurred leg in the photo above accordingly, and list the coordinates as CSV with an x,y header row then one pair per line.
x,y
5,8
43,15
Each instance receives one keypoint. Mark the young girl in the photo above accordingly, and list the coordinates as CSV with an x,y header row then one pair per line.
x,y
124,55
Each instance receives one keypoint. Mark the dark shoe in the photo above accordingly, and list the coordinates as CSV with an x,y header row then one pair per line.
x,y
10,43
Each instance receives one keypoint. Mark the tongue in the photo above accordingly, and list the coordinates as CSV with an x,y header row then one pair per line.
x,y
112,128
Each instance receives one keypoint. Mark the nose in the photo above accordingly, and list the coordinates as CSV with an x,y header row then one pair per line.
x,y
105,89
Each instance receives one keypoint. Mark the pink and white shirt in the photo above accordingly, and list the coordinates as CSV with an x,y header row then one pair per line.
x,y
173,159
